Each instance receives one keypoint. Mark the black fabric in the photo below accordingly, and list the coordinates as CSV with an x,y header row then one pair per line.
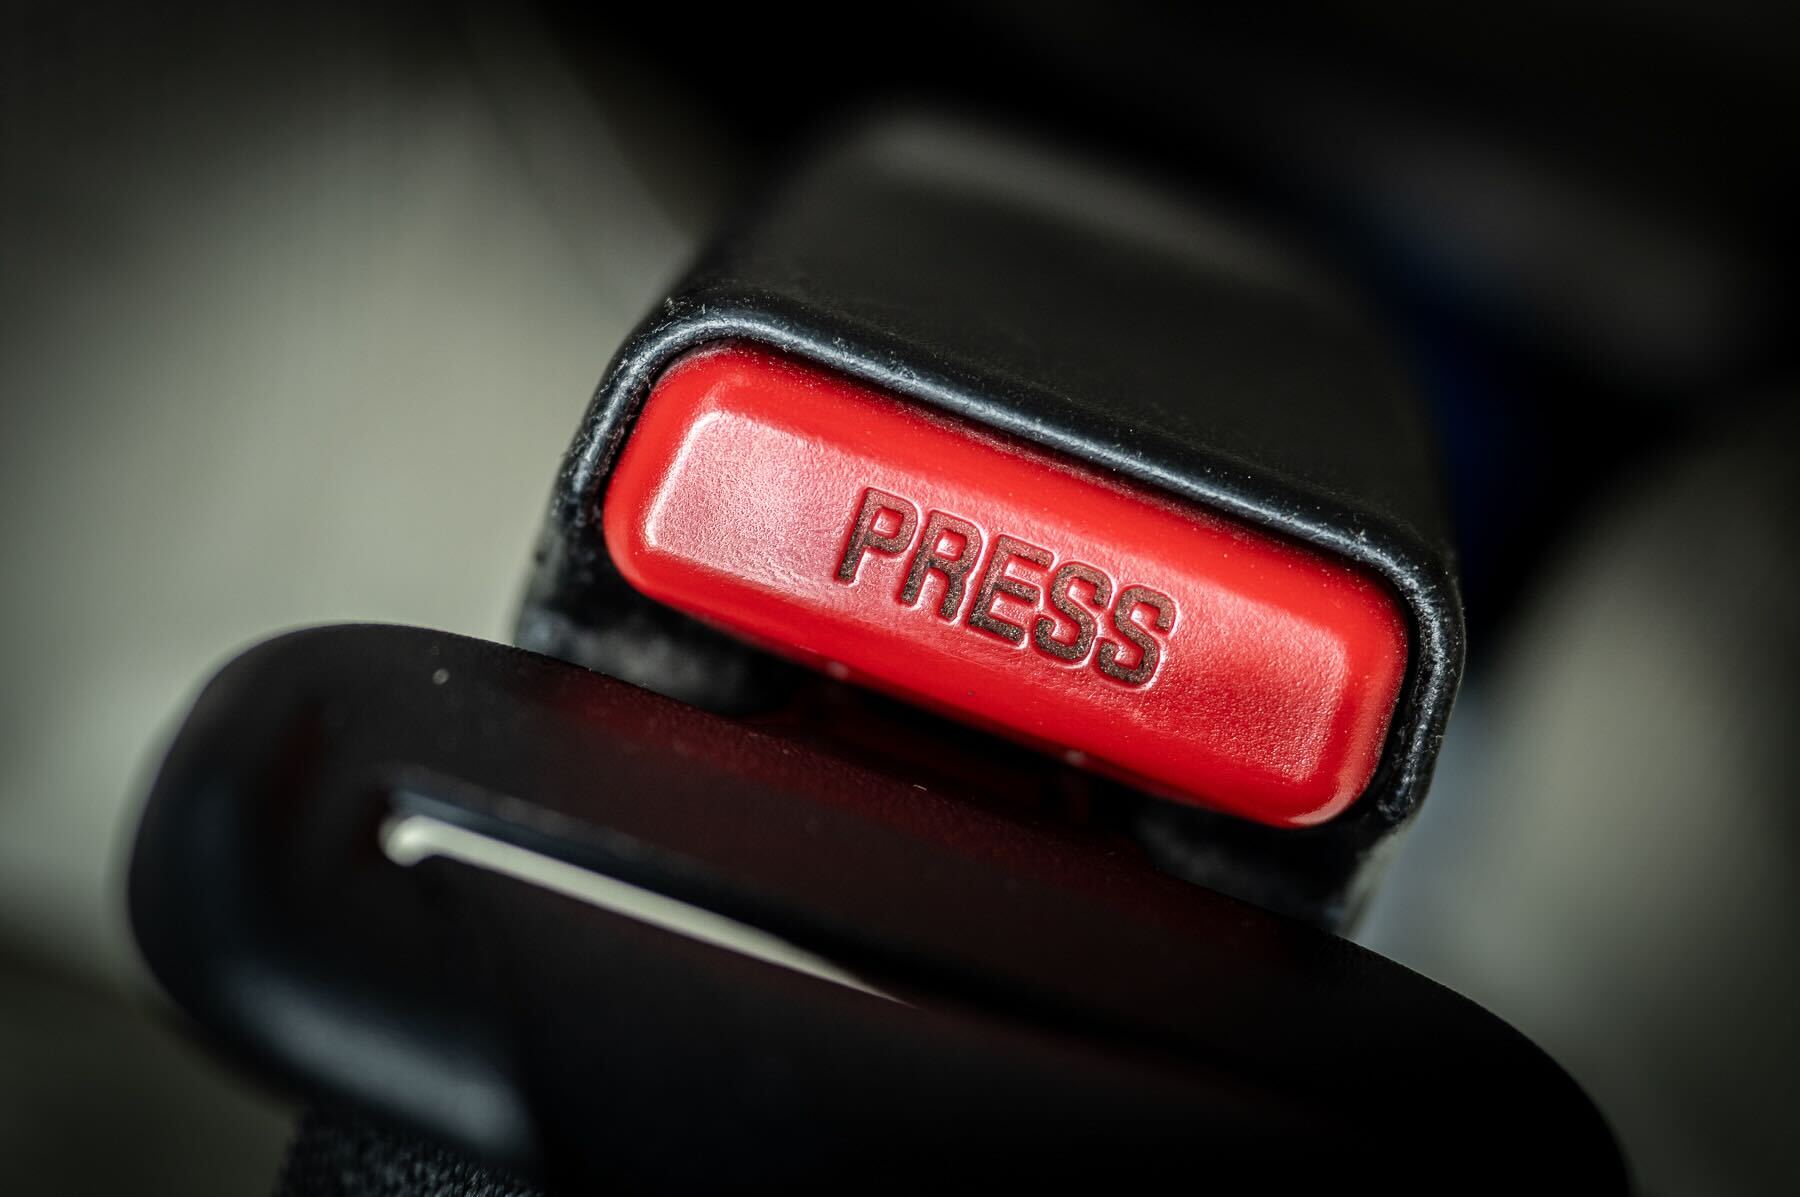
x,y
339,1155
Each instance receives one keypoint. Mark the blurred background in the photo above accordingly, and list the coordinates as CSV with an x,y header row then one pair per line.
x,y
298,310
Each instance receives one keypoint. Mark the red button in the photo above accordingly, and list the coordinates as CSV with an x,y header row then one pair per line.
x,y
1137,635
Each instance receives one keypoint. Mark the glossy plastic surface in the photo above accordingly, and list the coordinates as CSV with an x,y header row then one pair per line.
x,y
1068,1016
1196,657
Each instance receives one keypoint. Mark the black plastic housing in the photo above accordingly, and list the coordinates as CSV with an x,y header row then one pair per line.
x,y
1003,1000
1045,298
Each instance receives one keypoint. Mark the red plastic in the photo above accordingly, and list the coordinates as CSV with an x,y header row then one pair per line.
x,y
793,507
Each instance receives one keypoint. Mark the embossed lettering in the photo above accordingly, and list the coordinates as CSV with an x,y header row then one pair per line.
x,y
995,580
954,569
865,533
1149,651
1043,633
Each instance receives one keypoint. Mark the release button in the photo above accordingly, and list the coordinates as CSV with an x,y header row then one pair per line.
x,y
1198,658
